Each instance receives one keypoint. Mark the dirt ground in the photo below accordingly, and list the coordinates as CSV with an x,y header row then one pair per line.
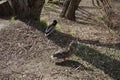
x,y
25,53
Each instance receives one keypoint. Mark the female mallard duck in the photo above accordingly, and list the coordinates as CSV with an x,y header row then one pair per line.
x,y
67,53
50,28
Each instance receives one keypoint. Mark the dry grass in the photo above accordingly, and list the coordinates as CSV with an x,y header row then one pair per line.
x,y
25,51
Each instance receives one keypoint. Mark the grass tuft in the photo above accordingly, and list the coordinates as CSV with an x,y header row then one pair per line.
x,y
12,19
41,25
58,28
118,51
72,33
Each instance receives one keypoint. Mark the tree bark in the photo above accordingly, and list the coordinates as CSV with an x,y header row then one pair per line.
x,y
28,9
70,6
70,13
5,8
65,7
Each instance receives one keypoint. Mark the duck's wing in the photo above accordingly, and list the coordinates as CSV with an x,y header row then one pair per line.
x,y
48,33
49,30
61,55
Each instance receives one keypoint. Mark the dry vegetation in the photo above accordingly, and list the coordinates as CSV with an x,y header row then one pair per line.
x,y
25,51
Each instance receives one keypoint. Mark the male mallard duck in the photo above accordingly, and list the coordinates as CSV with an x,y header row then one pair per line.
x,y
67,53
50,28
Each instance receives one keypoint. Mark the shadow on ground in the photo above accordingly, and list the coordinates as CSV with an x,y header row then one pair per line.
x,y
72,64
69,63
87,18
62,39
109,65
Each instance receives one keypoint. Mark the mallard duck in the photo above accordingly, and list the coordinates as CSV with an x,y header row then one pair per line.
x,y
50,28
65,54
62,55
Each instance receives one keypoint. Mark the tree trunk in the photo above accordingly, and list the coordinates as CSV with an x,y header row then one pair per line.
x,y
70,6
65,7
28,9
70,13
5,8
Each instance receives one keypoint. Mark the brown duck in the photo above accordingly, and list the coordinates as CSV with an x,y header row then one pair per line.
x,y
66,53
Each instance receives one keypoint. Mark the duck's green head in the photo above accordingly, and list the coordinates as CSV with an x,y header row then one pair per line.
x,y
55,21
